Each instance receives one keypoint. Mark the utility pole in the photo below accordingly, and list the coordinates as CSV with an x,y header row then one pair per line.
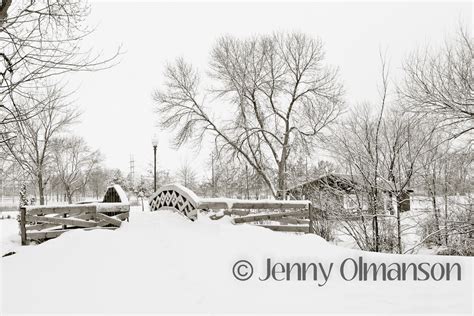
x,y
132,169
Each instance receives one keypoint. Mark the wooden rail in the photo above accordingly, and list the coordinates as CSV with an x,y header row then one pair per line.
x,y
273,216
251,204
294,221
39,223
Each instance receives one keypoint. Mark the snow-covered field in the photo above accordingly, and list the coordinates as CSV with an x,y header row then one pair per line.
x,y
9,232
162,262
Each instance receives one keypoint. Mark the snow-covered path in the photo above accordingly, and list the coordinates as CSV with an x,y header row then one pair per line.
x,y
161,262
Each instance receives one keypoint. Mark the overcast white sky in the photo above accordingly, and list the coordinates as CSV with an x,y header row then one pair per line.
x,y
118,117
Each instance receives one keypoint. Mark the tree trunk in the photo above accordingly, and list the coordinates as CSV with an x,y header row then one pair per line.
x,y
40,188
375,221
435,208
446,205
69,195
281,189
4,6
213,179
399,229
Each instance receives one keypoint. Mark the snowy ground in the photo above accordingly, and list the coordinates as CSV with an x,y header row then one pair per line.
x,y
9,234
162,262
411,236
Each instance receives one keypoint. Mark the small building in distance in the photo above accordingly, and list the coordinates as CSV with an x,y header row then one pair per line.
x,y
343,192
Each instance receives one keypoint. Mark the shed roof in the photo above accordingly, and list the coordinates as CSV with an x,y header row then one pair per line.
x,y
344,182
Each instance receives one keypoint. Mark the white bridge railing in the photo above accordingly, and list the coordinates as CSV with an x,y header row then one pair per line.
x,y
294,216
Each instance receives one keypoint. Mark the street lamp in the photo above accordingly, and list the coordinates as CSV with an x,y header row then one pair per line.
x,y
154,142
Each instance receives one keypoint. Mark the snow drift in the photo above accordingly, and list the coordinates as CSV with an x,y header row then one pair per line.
x,y
162,262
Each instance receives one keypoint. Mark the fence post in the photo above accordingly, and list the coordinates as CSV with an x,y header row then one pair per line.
x,y
23,225
64,216
310,210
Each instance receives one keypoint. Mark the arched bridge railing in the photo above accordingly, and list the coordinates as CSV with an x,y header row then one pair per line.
x,y
175,197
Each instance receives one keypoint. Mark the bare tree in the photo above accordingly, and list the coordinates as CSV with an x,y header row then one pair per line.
x,y
277,89
98,181
446,178
39,40
358,150
439,84
32,149
384,171
357,143
187,175
74,162
231,178
405,140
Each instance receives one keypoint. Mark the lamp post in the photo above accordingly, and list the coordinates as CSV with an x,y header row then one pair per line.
x,y
154,142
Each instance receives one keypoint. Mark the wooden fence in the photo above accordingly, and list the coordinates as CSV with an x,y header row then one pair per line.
x,y
40,223
292,216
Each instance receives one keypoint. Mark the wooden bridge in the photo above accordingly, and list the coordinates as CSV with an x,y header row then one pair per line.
x,y
39,223
293,216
